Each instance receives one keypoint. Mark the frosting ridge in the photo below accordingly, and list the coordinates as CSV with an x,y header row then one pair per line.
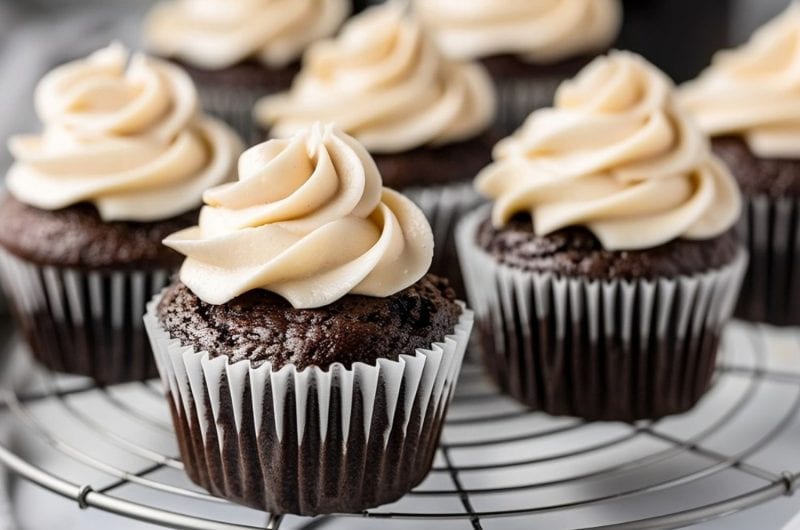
x,y
309,220
754,91
125,136
216,34
616,155
538,31
384,82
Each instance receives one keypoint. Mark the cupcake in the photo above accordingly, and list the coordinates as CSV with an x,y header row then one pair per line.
x,y
425,120
237,51
605,269
748,101
528,46
308,358
122,162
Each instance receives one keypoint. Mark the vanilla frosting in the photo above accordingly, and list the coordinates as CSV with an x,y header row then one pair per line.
x,y
126,137
538,31
617,156
216,34
309,220
754,91
386,84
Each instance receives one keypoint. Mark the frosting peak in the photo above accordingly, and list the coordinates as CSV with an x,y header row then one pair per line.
x,y
216,34
539,31
309,220
616,155
384,82
126,136
754,91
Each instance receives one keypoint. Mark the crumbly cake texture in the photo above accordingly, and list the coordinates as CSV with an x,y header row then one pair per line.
x,y
77,237
576,252
260,326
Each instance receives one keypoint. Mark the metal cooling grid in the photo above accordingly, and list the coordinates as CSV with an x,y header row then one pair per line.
x,y
499,465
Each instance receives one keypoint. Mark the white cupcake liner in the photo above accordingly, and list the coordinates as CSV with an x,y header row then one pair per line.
x,y
770,228
83,322
444,206
518,98
234,106
311,441
600,350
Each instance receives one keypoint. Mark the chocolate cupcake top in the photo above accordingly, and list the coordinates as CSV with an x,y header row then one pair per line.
x,y
125,137
617,156
384,82
754,91
216,34
308,220
537,31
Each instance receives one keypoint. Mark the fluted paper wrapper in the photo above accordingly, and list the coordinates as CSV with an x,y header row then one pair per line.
x,y
234,106
83,322
771,230
444,206
599,350
517,98
311,441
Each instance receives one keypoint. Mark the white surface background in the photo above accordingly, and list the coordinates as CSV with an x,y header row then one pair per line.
x,y
35,36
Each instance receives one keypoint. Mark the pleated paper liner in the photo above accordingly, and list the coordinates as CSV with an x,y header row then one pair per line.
x,y
444,206
771,230
518,98
598,350
311,441
83,322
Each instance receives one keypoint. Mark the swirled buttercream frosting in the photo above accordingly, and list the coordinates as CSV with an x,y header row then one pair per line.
x,y
385,83
123,135
754,91
216,34
617,156
308,220
538,31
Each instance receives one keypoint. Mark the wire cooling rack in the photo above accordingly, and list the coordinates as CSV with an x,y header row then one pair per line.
x,y
499,466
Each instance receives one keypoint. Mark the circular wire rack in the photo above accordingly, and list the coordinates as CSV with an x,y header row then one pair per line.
x,y
498,466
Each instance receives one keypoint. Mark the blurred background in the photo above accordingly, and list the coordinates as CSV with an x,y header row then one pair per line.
x,y
36,35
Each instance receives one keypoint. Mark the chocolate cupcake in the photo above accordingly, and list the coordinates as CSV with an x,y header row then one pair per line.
x,y
308,359
424,119
238,51
605,270
121,163
747,101
528,47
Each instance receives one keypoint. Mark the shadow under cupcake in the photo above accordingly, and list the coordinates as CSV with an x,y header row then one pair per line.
x,y
606,268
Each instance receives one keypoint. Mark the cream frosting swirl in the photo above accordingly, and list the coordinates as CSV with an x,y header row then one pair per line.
x,y
754,91
385,83
215,34
538,31
309,220
130,141
618,156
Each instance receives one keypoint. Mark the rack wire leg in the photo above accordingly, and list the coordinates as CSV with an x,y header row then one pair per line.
x,y
274,522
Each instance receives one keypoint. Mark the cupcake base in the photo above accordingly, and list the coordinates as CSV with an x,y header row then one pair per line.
x,y
771,230
523,87
83,322
312,441
444,206
620,350
232,93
